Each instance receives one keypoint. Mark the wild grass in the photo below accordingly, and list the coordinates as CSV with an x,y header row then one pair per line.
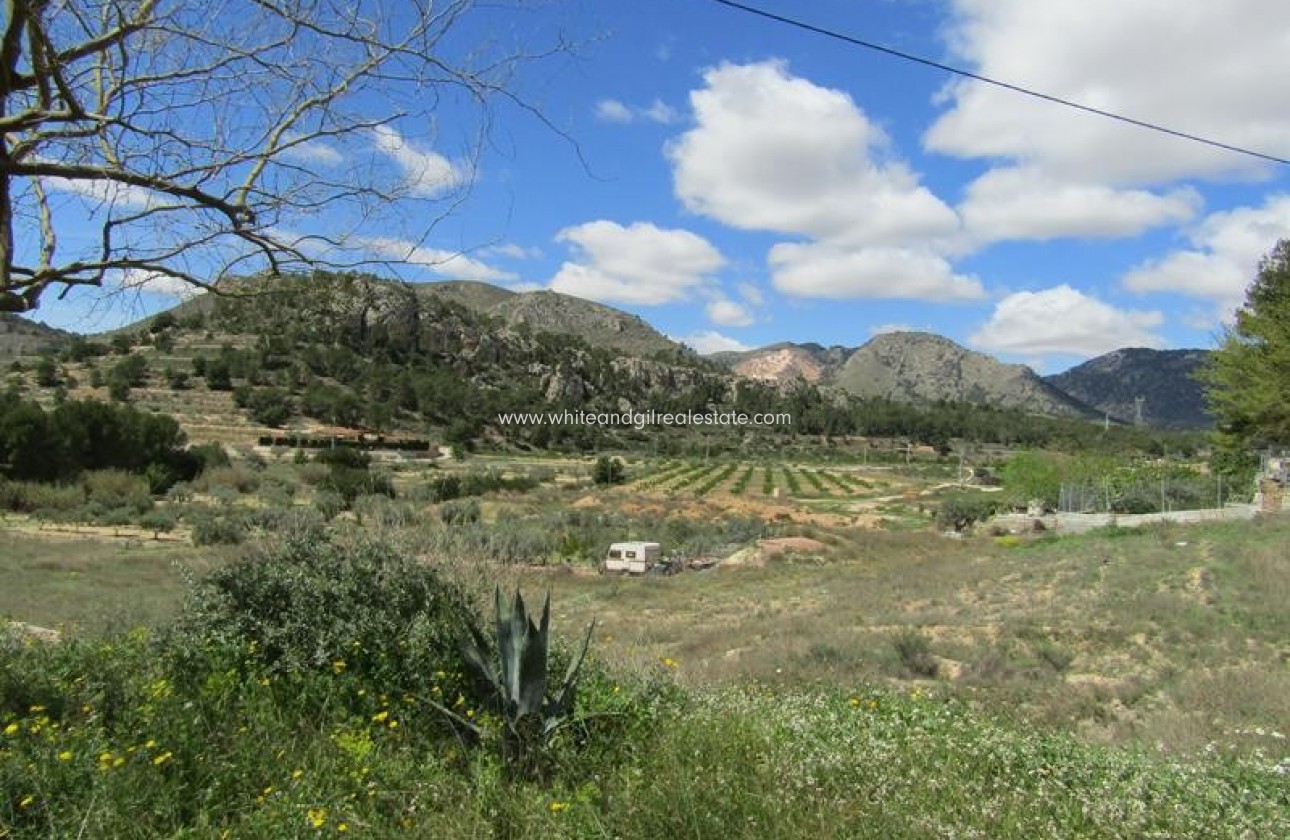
x,y
125,752
904,685
1172,638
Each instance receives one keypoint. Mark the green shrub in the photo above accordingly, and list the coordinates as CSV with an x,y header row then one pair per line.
x,y
310,601
30,496
224,528
349,483
328,503
240,478
158,520
459,512
210,455
344,456
112,489
608,470
959,513
915,654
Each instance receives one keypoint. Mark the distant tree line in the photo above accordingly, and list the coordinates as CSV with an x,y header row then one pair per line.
x,y
86,435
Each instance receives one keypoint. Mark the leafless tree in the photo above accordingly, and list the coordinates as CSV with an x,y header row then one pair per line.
x,y
192,140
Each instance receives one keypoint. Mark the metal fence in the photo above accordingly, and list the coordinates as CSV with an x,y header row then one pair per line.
x,y
1174,493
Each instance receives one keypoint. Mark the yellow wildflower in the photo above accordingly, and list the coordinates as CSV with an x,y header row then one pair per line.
x,y
338,667
65,755
380,717
26,801
317,817
163,758
12,729
296,774
343,827
557,807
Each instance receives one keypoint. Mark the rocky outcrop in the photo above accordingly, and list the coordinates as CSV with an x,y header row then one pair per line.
x,y
921,367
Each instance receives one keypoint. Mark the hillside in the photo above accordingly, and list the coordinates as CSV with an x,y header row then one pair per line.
x,y
1163,379
911,367
323,353
328,352
920,367
786,362
20,337
546,311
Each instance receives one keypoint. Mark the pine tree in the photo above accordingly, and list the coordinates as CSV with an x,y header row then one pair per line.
x,y
1248,377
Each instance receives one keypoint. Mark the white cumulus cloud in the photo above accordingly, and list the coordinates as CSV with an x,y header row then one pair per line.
x,y
445,263
1212,69
728,313
710,341
1025,203
313,151
153,282
425,172
640,263
617,111
1064,320
611,110
821,270
109,193
1224,256
775,152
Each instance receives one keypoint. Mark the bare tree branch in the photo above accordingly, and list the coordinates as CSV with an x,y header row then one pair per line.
x,y
201,140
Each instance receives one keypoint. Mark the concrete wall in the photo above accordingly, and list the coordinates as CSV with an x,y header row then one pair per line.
x,y
1078,523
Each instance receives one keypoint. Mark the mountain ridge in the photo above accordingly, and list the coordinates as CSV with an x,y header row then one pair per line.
x,y
915,367
1164,381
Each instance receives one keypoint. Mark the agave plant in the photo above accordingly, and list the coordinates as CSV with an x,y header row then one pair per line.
x,y
516,680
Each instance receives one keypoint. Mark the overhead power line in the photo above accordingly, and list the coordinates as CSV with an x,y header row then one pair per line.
x,y
968,74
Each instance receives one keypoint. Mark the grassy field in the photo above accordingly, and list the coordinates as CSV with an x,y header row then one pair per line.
x,y
86,580
1172,637
846,673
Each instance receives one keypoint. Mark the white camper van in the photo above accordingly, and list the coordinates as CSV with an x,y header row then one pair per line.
x,y
635,558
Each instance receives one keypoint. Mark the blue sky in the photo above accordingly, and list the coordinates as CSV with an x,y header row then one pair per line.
x,y
738,183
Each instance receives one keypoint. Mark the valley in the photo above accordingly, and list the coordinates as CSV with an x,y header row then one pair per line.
x,y
840,580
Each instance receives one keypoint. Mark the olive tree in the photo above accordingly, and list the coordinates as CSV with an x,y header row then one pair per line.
x,y
180,142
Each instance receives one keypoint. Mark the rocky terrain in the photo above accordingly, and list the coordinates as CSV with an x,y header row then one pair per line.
x,y
546,311
1165,380
20,337
909,367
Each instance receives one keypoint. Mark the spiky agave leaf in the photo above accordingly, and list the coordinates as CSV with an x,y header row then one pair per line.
x,y
533,663
480,657
561,706
507,633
